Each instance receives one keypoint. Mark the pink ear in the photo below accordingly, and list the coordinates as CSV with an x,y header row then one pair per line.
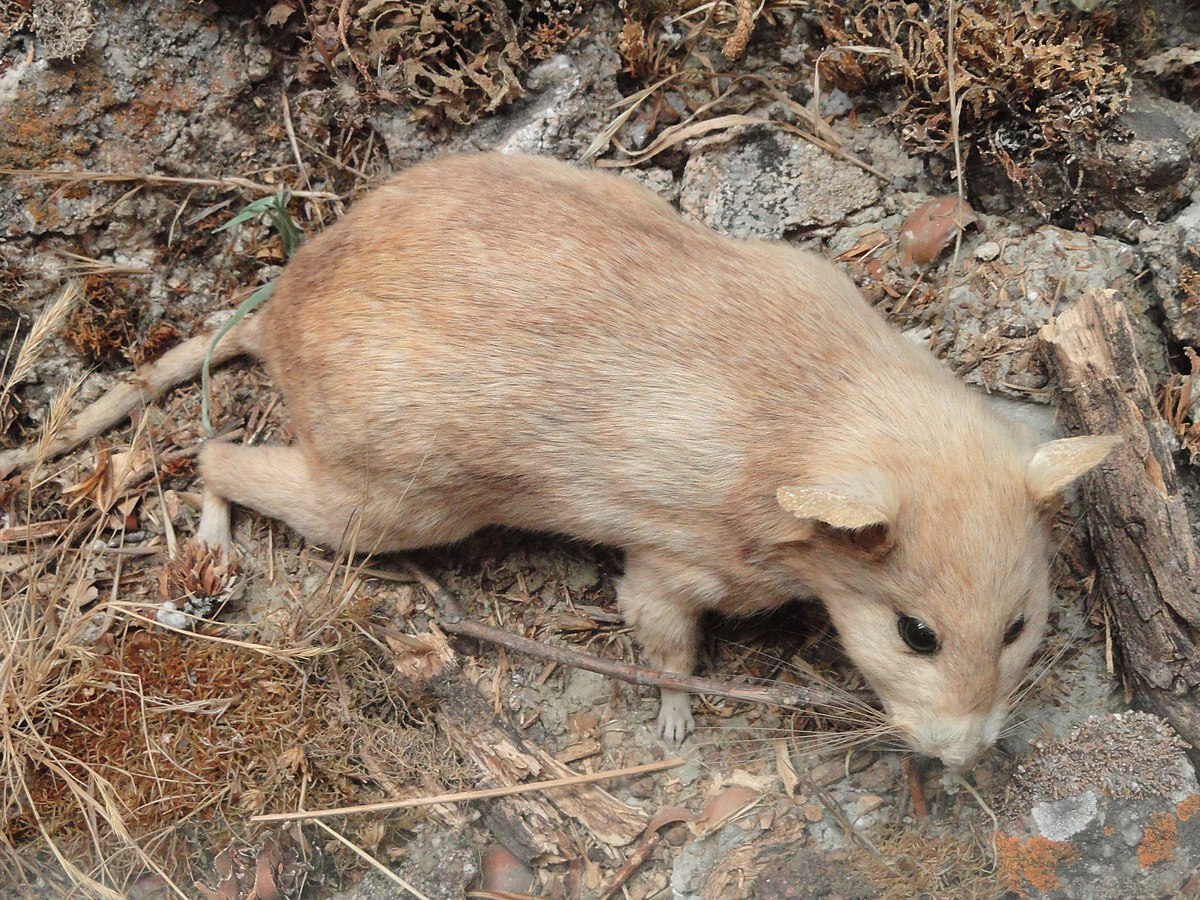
x,y
831,507
1056,465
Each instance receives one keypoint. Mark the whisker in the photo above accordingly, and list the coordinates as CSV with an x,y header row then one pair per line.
x,y
1048,660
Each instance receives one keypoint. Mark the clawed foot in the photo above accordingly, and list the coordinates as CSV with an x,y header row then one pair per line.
x,y
215,525
675,720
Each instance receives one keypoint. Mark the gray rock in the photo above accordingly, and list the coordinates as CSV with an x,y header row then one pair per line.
x,y
1144,167
1059,820
986,322
769,184
694,866
1077,687
585,690
1141,170
439,862
1173,258
661,181
1110,811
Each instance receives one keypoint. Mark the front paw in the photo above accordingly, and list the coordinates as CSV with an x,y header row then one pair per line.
x,y
675,720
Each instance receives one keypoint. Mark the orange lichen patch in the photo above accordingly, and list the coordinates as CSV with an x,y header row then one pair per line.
x,y
1031,862
1188,807
158,340
164,94
1160,838
104,326
34,124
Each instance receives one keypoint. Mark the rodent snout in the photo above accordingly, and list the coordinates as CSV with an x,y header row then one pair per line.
x,y
956,740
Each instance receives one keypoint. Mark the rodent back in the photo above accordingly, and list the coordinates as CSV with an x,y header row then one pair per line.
x,y
526,326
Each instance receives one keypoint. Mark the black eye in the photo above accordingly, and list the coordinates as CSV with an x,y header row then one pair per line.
x,y
919,636
1014,631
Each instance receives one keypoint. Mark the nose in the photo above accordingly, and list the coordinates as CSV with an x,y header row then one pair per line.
x,y
958,741
958,759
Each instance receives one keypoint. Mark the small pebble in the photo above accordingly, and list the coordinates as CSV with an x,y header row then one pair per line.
x,y
171,617
987,251
813,812
868,803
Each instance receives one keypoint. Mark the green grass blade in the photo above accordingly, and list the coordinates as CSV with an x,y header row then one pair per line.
x,y
247,306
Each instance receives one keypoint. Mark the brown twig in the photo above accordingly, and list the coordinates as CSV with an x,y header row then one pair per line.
x,y
955,137
453,618
638,857
484,794
735,46
231,182
915,790
362,70
35,531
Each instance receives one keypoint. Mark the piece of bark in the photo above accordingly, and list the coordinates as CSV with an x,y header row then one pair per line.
x,y
1135,514
533,827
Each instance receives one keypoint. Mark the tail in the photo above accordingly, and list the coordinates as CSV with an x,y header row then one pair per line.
x,y
177,365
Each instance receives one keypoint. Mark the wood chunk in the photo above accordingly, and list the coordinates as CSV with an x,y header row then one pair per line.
x,y
535,827
1136,516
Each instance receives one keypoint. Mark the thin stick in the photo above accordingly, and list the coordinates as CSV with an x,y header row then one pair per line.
x,y
915,790
453,619
485,794
955,111
376,863
362,70
230,182
291,133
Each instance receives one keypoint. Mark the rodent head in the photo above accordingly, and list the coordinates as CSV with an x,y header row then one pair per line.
x,y
939,589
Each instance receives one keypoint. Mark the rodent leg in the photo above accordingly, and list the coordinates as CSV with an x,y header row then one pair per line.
x,y
666,623
215,527
278,481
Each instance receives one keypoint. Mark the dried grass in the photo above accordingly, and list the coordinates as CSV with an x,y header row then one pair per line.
x,y
916,862
44,327
131,752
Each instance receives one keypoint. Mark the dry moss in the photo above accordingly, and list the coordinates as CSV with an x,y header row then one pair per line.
x,y
452,61
63,27
1031,83
915,862
157,341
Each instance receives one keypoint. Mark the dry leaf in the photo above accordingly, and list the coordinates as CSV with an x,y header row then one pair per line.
x,y
784,768
668,815
419,657
724,807
371,835
279,13
502,872
93,481
1171,62
931,227
294,761
265,865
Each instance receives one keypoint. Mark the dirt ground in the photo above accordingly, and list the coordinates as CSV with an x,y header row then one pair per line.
x,y
134,756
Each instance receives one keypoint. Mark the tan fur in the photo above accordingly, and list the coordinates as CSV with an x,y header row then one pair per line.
x,y
502,340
